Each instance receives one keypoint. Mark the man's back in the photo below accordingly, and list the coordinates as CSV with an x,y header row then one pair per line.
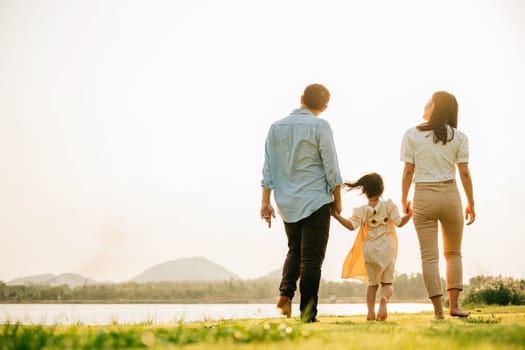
x,y
301,164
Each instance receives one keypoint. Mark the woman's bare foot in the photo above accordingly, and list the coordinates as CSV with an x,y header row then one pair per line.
x,y
455,310
458,312
371,316
437,303
382,312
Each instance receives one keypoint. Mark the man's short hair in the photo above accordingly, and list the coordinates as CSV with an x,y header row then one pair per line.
x,y
316,96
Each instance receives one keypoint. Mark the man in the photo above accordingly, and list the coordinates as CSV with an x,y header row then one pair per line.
x,y
302,170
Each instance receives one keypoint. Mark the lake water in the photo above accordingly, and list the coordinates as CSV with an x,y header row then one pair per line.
x,y
101,314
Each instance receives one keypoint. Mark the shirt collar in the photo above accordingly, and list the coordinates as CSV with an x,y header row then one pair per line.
x,y
303,111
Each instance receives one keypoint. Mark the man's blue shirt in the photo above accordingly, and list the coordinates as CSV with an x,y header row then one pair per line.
x,y
300,164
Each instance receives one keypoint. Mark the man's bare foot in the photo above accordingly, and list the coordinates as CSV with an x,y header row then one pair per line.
x,y
382,312
459,312
371,316
284,306
440,316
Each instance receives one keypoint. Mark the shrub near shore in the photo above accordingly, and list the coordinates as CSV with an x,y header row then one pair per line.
x,y
495,290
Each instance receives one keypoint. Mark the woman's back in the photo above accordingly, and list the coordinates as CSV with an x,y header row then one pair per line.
x,y
434,161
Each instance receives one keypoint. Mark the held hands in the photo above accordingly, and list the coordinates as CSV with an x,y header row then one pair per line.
x,y
407,209
342,220
267,213
405,205
337,208
336,215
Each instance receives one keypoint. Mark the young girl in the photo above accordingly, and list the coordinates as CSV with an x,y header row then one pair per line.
x,y
374,252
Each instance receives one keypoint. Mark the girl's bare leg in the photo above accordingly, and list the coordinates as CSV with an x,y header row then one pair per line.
x,y
437,302
455,310
371,292
386,293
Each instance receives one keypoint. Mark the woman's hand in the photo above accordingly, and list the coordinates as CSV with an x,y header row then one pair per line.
x,y
470,214
466,180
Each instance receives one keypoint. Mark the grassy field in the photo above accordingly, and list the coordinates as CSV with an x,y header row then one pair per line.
x,y
487,328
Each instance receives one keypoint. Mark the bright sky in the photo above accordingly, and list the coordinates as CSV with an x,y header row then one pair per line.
x,y
132,132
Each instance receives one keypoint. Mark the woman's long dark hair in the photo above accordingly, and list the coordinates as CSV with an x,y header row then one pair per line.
x,y
445,113
371,185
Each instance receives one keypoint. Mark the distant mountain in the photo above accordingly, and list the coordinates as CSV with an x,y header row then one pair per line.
x,y
71,279
186,269
275,274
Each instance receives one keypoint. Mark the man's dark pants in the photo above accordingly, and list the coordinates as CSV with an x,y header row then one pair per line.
x,y
307,240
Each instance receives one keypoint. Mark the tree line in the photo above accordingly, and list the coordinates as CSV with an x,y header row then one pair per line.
x,y
407,288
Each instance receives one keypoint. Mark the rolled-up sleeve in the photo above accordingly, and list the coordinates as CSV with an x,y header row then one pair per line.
x,y
329,156
267,180
407,151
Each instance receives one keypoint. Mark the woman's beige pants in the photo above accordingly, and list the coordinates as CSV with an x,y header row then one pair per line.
x,y
441,203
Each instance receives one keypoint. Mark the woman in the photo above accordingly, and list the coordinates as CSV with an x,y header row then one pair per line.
x,y
431,151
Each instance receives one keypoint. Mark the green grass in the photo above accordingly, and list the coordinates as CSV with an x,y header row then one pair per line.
x,y
487,328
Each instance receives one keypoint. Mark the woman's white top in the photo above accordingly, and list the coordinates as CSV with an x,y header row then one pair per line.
x,y
434,162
